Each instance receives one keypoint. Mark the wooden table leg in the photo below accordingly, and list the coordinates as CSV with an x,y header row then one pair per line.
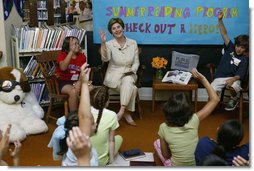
x,y
153,98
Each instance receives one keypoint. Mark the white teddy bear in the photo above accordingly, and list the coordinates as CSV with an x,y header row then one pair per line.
x,y
18,105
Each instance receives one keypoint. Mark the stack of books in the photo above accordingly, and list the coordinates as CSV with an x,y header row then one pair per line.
x,y
134,157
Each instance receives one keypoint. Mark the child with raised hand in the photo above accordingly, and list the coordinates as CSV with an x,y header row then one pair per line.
x,y
233,65
179,133
86,124
4,145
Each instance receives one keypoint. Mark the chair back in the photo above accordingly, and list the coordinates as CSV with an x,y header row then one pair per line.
x,y
47,63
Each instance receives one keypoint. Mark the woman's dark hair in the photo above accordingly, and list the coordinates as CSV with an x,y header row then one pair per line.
x,y
71,121
112,21
99,99
213,160
66,43
177,109
229,135
242,40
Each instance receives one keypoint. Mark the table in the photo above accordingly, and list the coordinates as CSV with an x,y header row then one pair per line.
x,y
158,85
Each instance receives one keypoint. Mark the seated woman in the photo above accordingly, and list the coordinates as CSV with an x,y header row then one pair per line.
x,y
69,61
122,54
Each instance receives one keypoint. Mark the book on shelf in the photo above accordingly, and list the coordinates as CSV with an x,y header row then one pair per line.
x,y
181,66
37,39
178,77
132,154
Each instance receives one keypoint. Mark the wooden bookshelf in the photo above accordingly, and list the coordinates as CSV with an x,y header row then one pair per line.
x,y
26,44
38,12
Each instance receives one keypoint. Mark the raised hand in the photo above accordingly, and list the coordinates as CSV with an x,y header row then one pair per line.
x,y
103,36
220,15
239,161
4,143
197,74
14,153
85,72
80,145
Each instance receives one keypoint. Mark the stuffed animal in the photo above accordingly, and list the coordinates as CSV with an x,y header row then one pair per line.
x,y
18,105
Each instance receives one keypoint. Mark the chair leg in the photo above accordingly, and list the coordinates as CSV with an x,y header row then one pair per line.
x,y
241,108
222,97
66,108
49,111
139,107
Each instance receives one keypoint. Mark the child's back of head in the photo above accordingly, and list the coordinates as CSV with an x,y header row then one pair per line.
x,y
99,100
71,121
229,135
177,109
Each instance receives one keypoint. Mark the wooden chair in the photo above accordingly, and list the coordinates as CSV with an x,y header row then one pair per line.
x,y
244,85
47,63
114,96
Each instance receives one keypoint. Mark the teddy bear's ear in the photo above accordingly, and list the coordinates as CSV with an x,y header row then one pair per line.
x,y
25,86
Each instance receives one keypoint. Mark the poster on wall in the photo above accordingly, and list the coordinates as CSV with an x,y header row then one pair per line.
x,y
174,21
7,4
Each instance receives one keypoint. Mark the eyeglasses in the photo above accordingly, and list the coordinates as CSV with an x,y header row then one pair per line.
x,y
9,85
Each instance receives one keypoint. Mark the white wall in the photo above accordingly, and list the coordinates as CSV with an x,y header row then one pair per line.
x,y
5,30
145,93
3,61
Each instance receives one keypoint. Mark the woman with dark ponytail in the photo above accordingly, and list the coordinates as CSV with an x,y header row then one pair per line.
x,y
104,141
226,145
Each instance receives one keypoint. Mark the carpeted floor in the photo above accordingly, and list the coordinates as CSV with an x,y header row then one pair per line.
x,y
36,153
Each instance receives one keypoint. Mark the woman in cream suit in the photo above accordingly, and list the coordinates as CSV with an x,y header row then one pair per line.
x,y
122,54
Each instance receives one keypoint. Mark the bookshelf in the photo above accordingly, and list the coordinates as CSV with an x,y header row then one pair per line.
x,y
39,12
27,42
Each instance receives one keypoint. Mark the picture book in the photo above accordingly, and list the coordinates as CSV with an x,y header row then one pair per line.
x,y
181,66
178,77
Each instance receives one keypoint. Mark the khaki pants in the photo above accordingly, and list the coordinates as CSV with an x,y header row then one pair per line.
x,y
128,92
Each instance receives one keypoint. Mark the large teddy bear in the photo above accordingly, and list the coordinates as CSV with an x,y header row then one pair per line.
x,y
18,105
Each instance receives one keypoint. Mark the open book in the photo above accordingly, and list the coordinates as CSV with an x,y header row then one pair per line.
x,y
176,76
182,64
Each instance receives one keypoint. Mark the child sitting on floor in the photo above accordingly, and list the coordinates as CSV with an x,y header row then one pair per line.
x,y
179,133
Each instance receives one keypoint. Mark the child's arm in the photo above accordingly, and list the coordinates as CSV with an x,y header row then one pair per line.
x,y
222,28
111,146
84,111
164,149
213,97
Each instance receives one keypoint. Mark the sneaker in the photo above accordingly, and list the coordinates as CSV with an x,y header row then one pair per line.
x,y
231,105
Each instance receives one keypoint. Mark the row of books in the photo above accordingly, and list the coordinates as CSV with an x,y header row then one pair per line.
x,y
32,68
37,39
40,92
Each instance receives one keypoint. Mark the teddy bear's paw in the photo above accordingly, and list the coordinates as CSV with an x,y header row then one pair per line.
x,y
38,111
17,133
34,126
